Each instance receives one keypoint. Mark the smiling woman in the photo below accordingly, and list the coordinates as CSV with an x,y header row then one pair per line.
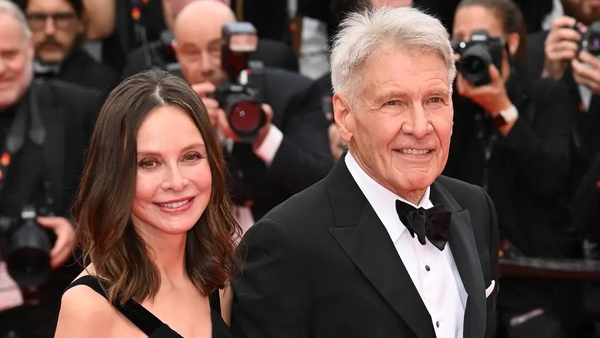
x,y
154,217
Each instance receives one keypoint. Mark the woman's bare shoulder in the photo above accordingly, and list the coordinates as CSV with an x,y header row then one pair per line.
x,y
83,311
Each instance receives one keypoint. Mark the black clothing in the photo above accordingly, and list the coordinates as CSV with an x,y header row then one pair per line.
x,y
67,113
525,173
586,203
322,264
79,68
147,322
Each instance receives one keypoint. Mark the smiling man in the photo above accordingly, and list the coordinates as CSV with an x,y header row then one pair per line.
x,y
384,246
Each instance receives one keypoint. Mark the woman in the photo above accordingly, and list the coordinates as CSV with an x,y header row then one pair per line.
x,y
512,137
154,218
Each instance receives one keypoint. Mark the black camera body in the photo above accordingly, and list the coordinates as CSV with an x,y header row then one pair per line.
x,y
590,40
238,96
476,56
26,247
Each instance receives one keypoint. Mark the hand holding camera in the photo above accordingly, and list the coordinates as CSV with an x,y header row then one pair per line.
x,y
234,106
561,46
492,97
570,41
479,64
220,120
65,239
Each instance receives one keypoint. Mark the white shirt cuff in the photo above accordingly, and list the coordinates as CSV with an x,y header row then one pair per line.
x,y
270,145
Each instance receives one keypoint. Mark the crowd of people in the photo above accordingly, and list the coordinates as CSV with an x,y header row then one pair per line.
x,y
247,169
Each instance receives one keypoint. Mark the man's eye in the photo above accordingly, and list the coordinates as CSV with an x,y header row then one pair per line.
x,y
392,103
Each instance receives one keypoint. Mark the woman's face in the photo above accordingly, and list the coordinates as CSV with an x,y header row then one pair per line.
x,y
471,18
173,184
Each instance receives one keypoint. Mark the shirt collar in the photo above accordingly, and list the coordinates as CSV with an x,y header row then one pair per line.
x,y
382,200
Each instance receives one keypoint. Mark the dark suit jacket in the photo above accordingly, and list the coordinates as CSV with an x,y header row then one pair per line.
x,y
68,113
79,68
323,265
303,157
272,53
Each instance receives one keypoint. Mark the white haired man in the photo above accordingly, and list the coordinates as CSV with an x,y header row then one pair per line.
x,y
384,246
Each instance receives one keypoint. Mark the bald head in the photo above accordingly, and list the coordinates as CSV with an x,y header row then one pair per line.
x,y
198,32
207,12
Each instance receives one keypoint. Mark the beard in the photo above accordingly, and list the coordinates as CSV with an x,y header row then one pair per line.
x,y
581,11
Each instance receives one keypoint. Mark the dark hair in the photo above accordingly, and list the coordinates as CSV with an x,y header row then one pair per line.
x,y
77,6
103,209
511,17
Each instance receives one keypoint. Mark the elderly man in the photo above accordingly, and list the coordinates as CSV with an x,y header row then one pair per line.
x,y
384,246
44,131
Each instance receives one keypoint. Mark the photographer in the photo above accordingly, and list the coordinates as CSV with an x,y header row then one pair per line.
x,y
290,150
160,53
44,128
511,136
570,53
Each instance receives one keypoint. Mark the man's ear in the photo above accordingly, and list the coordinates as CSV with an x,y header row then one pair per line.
x,y
343,117
513,41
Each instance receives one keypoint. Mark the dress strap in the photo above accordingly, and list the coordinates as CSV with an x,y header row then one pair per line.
x,y
132,310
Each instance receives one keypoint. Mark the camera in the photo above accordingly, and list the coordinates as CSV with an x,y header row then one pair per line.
x,y
590,40
476,56
237,96
26,248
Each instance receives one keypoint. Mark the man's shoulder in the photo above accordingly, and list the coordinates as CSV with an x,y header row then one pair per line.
x,y
303,208
464,193
455,185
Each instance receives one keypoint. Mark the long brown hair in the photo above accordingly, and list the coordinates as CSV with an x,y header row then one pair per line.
x,y
511,17
103,209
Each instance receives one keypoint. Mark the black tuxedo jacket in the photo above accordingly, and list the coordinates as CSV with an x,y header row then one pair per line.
x,y
323,265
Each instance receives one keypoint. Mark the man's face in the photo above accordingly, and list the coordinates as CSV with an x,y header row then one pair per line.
x,y
391,3
199,50
400,129
16,58
55,28
585,11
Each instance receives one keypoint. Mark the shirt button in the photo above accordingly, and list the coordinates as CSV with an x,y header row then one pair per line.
x,y
427,268
437,324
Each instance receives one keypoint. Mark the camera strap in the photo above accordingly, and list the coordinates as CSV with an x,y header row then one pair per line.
x,y
18,133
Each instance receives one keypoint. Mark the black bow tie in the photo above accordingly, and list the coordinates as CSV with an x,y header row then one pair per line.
x,y
431,223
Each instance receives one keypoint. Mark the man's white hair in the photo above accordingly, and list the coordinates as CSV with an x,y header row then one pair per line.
x,y
363,35
10,8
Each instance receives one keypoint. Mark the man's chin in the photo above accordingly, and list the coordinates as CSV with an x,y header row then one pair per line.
x,y
8,98
51,57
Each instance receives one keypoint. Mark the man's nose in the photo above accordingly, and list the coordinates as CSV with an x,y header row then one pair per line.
x,y
49,27
205,63
418,124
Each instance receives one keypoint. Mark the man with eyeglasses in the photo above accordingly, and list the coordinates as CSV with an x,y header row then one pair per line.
x,y
58,33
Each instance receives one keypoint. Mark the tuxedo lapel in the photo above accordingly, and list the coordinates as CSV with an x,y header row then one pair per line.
x,y
365,240
464,251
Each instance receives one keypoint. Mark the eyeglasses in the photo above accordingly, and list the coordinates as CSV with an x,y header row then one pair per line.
x,y
61,20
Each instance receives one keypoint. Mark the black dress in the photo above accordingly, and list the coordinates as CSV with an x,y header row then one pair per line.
x,y
147,322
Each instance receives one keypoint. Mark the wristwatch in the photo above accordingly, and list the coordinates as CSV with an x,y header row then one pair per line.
x,y
505,117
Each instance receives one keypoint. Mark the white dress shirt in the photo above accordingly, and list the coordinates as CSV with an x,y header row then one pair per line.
x,y
433,272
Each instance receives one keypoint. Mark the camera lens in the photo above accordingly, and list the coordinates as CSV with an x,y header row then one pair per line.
x,y
474,64
593,45
245,116
28,259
